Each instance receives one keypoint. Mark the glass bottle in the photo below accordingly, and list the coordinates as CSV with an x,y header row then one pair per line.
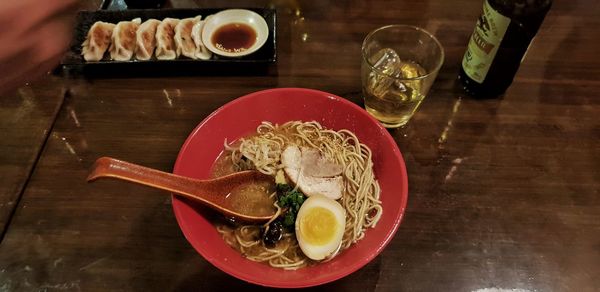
x,y
499,43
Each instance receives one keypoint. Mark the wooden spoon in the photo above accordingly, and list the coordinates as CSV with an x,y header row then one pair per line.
x,y
212,193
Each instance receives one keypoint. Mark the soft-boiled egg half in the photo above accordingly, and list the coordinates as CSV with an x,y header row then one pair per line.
x,y
320,227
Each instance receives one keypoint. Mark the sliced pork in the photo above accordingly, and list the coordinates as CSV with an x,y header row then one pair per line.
x,y
312,173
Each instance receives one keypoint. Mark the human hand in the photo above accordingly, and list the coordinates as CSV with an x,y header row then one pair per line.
x,y
33,36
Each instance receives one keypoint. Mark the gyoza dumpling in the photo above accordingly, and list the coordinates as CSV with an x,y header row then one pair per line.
x,y
201,51
165,42
123,40
183,37
146,39
97,41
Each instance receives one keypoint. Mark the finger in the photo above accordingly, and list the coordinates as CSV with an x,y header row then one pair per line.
x,y
23,33
20,16
48,40
52,40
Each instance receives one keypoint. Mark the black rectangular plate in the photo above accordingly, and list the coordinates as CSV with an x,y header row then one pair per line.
x,y
252,64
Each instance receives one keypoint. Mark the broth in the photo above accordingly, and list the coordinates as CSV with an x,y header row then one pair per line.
x,y
222,166
252,199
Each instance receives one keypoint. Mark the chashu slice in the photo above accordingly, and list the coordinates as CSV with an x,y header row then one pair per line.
x,y
312,173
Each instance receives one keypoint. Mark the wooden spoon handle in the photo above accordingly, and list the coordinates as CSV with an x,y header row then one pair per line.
x,y
106,167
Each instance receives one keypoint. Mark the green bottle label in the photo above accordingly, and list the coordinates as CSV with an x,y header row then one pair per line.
x,y
489,32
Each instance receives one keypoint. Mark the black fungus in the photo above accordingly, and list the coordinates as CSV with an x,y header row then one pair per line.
x,y
273,234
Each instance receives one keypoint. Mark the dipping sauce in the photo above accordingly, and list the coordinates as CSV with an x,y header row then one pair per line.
x,y
234,37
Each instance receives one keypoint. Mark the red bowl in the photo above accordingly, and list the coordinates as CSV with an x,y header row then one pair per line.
x,y
241,117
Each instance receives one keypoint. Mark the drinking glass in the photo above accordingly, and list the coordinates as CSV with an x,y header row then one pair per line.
x,y
399,65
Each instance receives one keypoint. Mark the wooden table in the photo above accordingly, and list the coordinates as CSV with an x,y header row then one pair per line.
x,y
503,193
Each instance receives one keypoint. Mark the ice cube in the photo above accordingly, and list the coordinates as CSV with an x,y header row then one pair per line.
x,y
387,63
390,74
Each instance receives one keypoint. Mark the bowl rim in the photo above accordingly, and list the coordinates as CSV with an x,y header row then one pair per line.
x,y
389,234
261,28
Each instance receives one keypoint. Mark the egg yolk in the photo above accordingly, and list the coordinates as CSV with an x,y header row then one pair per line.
x,y
318,226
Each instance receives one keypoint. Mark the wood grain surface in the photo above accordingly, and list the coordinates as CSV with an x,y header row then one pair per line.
x,y
503,193
26,117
